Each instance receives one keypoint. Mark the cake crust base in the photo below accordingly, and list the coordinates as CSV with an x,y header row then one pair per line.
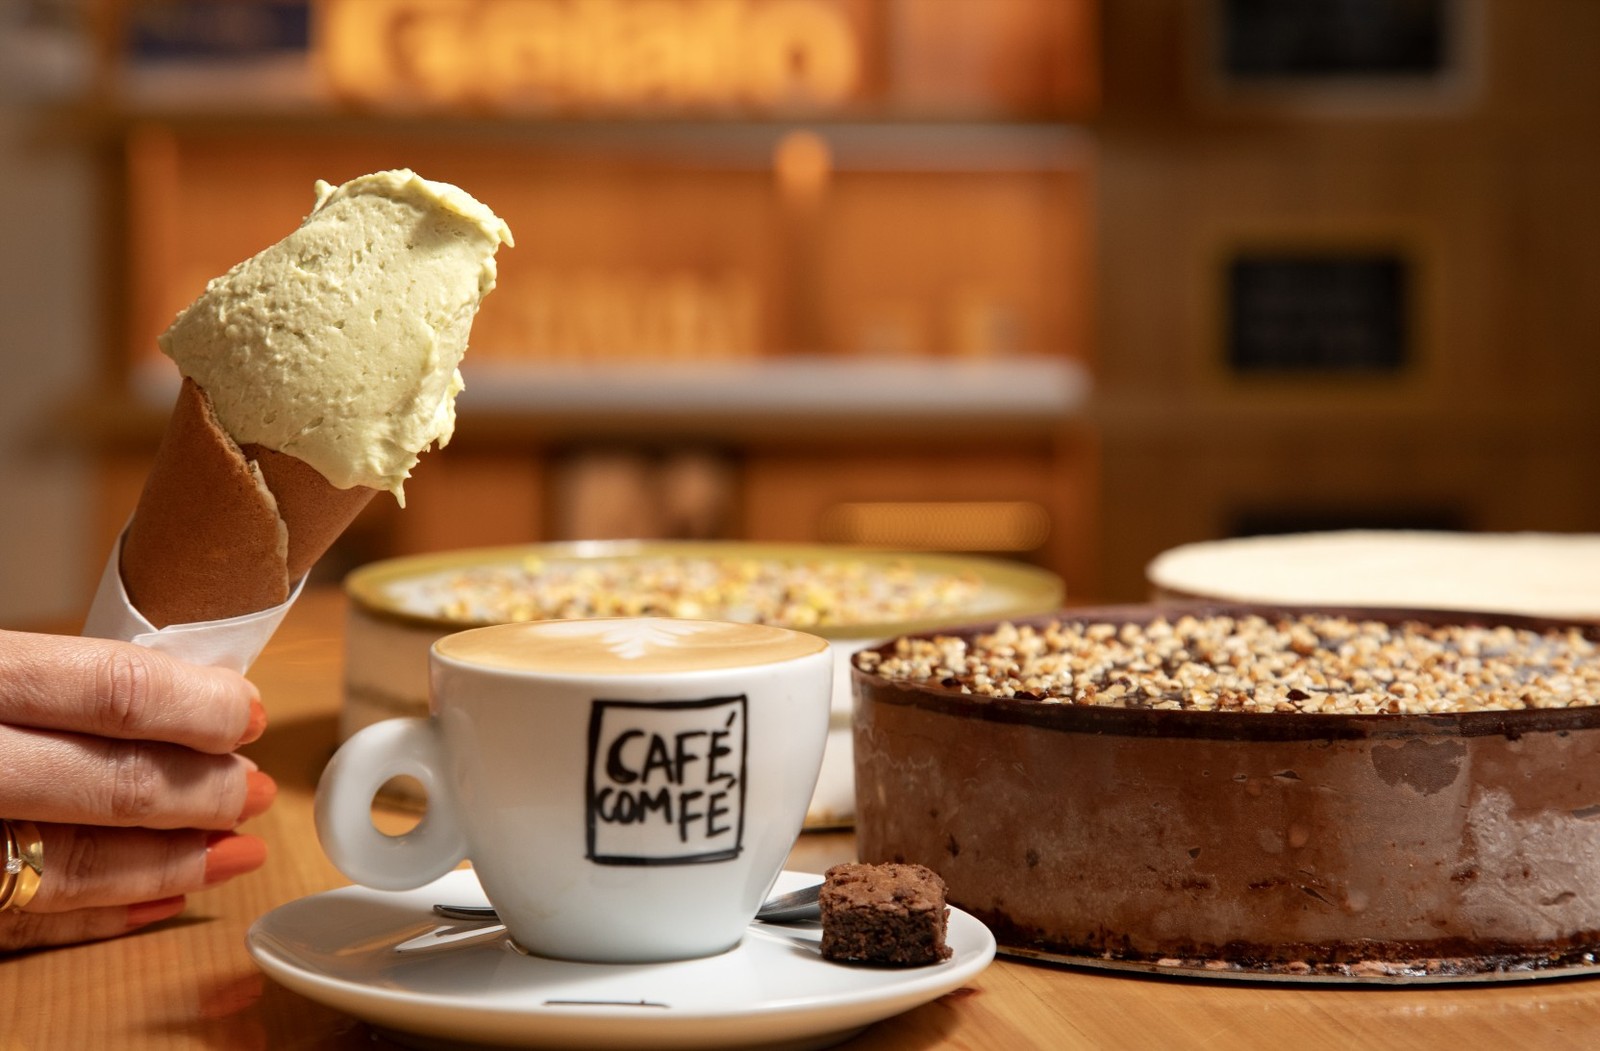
x,y
1424,970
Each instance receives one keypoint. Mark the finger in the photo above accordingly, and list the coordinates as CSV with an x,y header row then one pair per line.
x,y
87,868
117,689
33,930
72,779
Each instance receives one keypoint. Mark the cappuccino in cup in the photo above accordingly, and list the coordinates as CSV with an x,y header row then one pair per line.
x,y
627,790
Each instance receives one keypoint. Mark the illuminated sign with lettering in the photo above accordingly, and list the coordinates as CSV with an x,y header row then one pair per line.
x,y
589,54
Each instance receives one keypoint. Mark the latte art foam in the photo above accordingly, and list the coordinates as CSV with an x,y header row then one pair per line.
x,y
626,646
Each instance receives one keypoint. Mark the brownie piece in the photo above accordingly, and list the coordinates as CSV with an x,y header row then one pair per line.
x,y
888,914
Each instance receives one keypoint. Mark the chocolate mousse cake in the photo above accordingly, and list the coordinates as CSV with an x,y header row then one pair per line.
x,y
1249,792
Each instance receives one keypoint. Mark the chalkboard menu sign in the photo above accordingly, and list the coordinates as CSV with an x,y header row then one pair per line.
x,y
1317,313
1322,39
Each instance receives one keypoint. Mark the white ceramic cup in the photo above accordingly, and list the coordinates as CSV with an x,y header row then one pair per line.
x,y
627,790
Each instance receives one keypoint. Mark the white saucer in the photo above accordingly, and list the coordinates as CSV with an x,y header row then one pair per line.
x,y
385,958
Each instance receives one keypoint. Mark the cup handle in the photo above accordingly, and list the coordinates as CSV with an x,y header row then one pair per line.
x,y
345,793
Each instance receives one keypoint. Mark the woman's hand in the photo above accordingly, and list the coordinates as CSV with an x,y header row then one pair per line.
x,y
122,756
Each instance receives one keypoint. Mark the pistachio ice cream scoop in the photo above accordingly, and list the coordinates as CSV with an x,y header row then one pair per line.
x,y
339,345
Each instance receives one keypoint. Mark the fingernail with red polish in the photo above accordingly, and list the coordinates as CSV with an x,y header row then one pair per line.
x,y
259,792
147,912
257,724
229,854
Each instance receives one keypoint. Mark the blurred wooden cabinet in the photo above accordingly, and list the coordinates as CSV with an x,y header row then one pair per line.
x,y
717,187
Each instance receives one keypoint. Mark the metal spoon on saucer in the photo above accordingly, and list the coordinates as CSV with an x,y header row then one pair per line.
x,y
791,907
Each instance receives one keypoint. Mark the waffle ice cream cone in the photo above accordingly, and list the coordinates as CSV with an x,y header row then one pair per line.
x,y
314,511
218,533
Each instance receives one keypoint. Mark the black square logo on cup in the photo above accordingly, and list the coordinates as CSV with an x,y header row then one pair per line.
x,y
666,781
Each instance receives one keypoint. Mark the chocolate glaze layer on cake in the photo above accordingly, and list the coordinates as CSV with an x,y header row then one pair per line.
x,y
1357,845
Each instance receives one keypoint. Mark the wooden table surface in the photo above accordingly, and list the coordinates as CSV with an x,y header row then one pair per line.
x,y
189,983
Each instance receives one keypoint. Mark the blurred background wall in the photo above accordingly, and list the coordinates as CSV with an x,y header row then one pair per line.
x,y
49,315
1056,280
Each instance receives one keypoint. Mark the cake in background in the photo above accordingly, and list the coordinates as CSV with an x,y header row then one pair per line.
x,y
1538,574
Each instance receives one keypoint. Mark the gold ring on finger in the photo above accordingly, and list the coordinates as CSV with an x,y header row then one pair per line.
x,y
24,851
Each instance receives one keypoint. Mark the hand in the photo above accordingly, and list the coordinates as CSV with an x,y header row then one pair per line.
x,y
122,757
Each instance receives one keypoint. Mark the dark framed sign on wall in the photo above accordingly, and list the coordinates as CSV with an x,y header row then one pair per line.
x,y
1318,39
1341,57
1318,312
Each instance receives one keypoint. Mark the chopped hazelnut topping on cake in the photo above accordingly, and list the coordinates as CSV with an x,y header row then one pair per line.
x,y
1297,663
